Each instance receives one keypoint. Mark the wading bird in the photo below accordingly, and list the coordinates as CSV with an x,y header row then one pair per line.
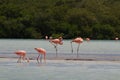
x,y
87,39
41,52
22,55
55,43
77,40
116,38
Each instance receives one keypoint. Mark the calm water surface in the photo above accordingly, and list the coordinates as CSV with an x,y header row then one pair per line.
x,y
61,69
91,49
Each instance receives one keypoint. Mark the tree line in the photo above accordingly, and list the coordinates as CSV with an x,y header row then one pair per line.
x,y
34,19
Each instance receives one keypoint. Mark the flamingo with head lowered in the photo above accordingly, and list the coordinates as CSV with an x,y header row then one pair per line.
x,y
41,52
77,40
22,55
55,43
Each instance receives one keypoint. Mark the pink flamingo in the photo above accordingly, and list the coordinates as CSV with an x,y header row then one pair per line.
x,y
41,52
22,55
78,40
116,38
55,43
87,39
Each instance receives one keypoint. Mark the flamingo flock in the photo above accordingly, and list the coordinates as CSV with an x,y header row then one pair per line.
x,y
22,55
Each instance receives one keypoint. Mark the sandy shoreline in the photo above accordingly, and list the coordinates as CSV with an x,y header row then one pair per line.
x,y
63,59
82,57
56,62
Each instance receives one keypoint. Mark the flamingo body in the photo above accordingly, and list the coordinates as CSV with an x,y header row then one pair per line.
x,y
21,53
41,50
57,41
87,39
77,40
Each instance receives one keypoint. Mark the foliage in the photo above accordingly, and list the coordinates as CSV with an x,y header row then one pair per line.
x,y
97,19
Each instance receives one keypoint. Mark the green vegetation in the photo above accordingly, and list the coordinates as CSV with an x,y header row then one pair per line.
x,y
97,19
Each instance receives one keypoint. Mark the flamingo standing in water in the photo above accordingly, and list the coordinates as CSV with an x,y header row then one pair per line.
x,y
41,52
22,55
78,40
55,43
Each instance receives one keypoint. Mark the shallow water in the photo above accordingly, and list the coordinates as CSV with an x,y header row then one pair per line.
x,y
59,70
94,49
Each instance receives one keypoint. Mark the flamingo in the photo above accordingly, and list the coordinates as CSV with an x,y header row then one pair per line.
x,y
87,39
116,38
55,43
22,55
41,52
77,40
46,37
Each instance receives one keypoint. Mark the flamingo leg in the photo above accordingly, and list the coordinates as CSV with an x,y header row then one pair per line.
x,y
38,58
23,58
41,58
78,50
44,58
19,60
56,50
55,46
71,48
